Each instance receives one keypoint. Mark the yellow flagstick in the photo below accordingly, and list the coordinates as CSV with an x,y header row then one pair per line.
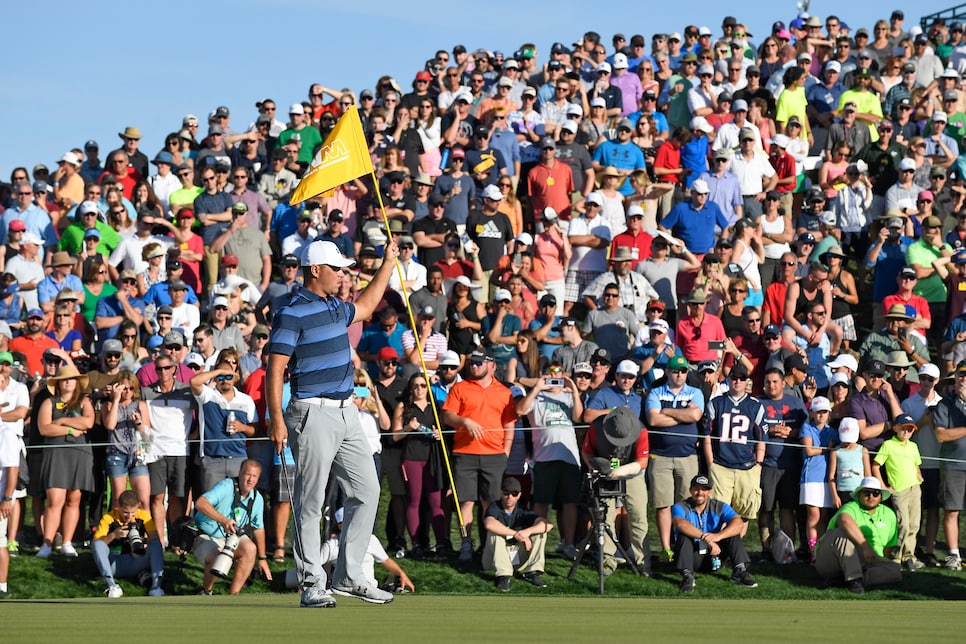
x,y
422,360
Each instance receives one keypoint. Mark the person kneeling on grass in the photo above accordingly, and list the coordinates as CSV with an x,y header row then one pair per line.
x,y
374,553
861,541
126,543
708,530
515,538
232,507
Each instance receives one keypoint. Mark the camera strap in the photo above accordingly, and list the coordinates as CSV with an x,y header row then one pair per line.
x,y
238,504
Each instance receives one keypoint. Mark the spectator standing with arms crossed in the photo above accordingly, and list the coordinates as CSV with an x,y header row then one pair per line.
x,y
310,339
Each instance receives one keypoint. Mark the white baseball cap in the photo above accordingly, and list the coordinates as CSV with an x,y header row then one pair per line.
x,y
449,359
844,360
821,403
627,367
325,252
849,430
929,369
492,192
502,295
700,186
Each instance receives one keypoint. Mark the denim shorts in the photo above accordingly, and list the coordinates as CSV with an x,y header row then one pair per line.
x,y
119,465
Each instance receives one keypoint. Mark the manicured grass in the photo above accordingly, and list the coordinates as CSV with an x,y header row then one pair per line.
x,y
479,619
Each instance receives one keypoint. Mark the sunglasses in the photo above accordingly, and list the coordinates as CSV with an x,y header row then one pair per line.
x,y
224,378
509,493
168,368
390,362
872,493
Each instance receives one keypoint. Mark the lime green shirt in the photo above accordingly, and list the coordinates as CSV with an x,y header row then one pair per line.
x,y
879,527
865,103
901,463
931,288
792,102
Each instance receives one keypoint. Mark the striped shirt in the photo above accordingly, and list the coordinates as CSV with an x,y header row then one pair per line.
x,y
313,332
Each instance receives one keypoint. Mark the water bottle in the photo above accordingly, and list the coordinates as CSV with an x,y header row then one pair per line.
x,y
444,159
231,420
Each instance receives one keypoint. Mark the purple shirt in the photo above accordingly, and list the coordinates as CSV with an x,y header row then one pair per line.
x,y
873,411
631,91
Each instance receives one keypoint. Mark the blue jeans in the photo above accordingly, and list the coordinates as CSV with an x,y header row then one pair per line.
x,y
114,564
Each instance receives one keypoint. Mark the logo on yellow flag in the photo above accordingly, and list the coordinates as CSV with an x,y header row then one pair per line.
x,y
343,157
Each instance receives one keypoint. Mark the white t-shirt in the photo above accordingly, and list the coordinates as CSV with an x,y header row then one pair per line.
x,y
585,258
375,553
15,395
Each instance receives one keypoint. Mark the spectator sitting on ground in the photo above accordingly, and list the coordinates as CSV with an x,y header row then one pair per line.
x,y
514,533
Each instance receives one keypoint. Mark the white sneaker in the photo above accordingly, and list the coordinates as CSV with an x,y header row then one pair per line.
x,y
366,593
157,591
68,551
45,551
114,591
466,551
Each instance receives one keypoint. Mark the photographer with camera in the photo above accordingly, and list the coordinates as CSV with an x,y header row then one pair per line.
x,y
126,544
232,529
707,530
616,448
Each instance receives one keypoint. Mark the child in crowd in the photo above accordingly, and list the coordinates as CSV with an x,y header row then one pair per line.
x,y
848,463
815,492
901,460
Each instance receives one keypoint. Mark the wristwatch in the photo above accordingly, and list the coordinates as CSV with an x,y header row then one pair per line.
x,y
8,498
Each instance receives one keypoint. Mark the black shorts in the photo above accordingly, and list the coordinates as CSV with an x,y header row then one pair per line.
x,y
169,473
35,460
931,489
282,484
779,488
478,476
391,464
556,482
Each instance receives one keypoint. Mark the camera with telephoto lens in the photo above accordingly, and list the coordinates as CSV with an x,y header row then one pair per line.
x,y
601,485
135,540
226,557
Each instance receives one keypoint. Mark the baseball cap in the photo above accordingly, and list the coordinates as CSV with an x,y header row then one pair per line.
x,y
174,337
821,403
701,482
628,367
387,353
583,367
600,355
678,362
325,252
772,330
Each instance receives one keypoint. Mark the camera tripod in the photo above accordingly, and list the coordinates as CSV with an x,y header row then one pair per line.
x,y
600,530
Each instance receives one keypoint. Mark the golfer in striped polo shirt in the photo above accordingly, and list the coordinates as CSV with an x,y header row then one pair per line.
x,y
321,424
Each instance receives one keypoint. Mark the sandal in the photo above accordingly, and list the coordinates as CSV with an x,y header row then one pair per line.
x,y
279,555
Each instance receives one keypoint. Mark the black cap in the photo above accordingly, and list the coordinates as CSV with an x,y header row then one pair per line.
x,y
565,321
600,355
795,361
548,300
701,481
875,368
290,260
511,484
739,371
436,199
368,250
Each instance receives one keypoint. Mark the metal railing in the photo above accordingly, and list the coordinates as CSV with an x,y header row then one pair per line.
x,y
957,12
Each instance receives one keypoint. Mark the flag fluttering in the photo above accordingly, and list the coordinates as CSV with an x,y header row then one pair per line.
x,y
343,157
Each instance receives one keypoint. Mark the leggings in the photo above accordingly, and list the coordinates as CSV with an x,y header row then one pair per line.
x,y
420,484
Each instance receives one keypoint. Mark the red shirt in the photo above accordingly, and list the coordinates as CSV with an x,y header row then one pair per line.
x,y
457,268
775,302
33,349
754,349
551,187
916,301
694,345
784,165
640,244
668,157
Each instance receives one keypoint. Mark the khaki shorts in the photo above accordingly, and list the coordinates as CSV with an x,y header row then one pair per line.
x,y
669,478
741,489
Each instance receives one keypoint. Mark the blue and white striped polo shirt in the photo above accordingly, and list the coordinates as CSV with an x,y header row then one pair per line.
x,y
312,330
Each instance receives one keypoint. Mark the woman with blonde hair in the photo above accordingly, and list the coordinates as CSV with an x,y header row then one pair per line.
x,y
154,254
647,195
68,462
63,331
123,415
510,205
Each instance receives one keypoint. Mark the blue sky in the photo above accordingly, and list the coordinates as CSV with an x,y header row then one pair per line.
x,y
81,70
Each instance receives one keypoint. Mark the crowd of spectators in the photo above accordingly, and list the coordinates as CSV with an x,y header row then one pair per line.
x,y
754,248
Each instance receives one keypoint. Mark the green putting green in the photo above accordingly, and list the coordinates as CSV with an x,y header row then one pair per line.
x,y
463,618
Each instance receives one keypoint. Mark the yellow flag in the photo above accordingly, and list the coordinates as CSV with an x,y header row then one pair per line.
x,y
343,157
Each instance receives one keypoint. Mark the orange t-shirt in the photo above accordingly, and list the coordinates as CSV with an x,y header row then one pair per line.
x,y
492,407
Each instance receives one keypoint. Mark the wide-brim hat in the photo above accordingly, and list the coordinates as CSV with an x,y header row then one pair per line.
x,y
610,171
621,427
871,483
67,372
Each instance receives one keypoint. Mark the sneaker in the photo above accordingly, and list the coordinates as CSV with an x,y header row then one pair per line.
x,y
610,565
45,551
619,558
157,591
913,564
466,551
366,593
68,549
687,582
503,584
400,553
205,593
929,559
855,586
667,556
741,577
114,591
535,578
315,597
13,548
953,562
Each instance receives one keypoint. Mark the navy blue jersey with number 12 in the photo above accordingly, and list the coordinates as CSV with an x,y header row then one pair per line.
x,y
735,428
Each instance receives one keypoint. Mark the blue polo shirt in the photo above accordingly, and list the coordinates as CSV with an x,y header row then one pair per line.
x,y
611,397
374,338
680,440
222,498
547,349
313,331
159,296
695,227
715,517
891,260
